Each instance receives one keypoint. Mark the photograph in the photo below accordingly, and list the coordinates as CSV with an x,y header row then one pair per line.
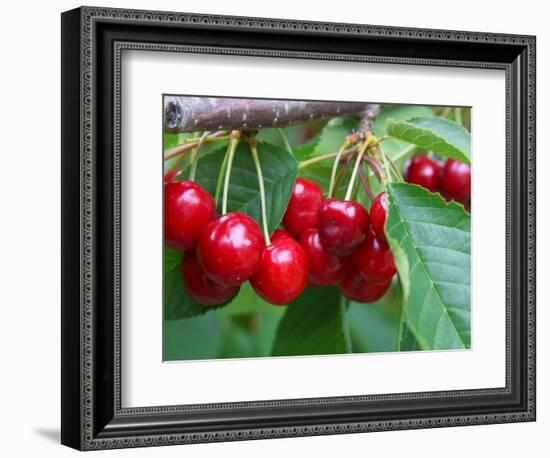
x,y
311,227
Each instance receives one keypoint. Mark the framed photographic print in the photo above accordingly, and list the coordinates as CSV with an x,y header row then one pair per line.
x,y
276,228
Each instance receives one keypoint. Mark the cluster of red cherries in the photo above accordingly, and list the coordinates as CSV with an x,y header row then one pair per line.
x,y
451,179
325,242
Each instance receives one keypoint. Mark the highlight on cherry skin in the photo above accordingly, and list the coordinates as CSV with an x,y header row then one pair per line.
x,y
456,181
188,208
230,248
452,178
304,203
342,225
282,274
378,210
423,171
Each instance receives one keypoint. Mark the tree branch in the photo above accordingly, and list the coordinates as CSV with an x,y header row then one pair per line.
x,y
368,117
184,114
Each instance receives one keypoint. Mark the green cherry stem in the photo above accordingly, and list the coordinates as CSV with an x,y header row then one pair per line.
x,y
323,157
355,168
366,185
233,142
458,116
395,169
185,147
220,178
285,140
335,167
254,150
378,170
195,156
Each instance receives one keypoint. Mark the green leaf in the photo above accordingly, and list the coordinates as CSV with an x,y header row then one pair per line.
x,y
305,151
196,338
435,239
439,135
172,140
247,301
396,149
172,259
407,340
248,336
177,301
329,140
399,113
279,168
374,327
314,324
333,135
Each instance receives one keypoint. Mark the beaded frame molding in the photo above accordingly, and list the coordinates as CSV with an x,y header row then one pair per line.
x,y
92,42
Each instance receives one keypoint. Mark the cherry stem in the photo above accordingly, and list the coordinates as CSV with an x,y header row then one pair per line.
x,y
254,150
220,178
195,156
395,169
374,165
366,185
180,149
323,157
335,167
285,140
355,168
233,142
458,116
340,177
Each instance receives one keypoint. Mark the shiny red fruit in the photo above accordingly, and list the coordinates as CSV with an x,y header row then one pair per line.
x,y
200,287
356,288
280,234
230,248
301,213
343,225
374,260
188,208
378,212
456,181
424,171
171,175
323,269
282,275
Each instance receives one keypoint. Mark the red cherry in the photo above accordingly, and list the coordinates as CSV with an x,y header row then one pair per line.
x,y
378,211
456,181
303,205
280,234
188,208
343,225
323,269
282,275
230,248
374,260
356,288
204,290
171,175
424,171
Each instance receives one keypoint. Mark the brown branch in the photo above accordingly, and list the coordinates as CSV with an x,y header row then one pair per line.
x,y
184,114
365,124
